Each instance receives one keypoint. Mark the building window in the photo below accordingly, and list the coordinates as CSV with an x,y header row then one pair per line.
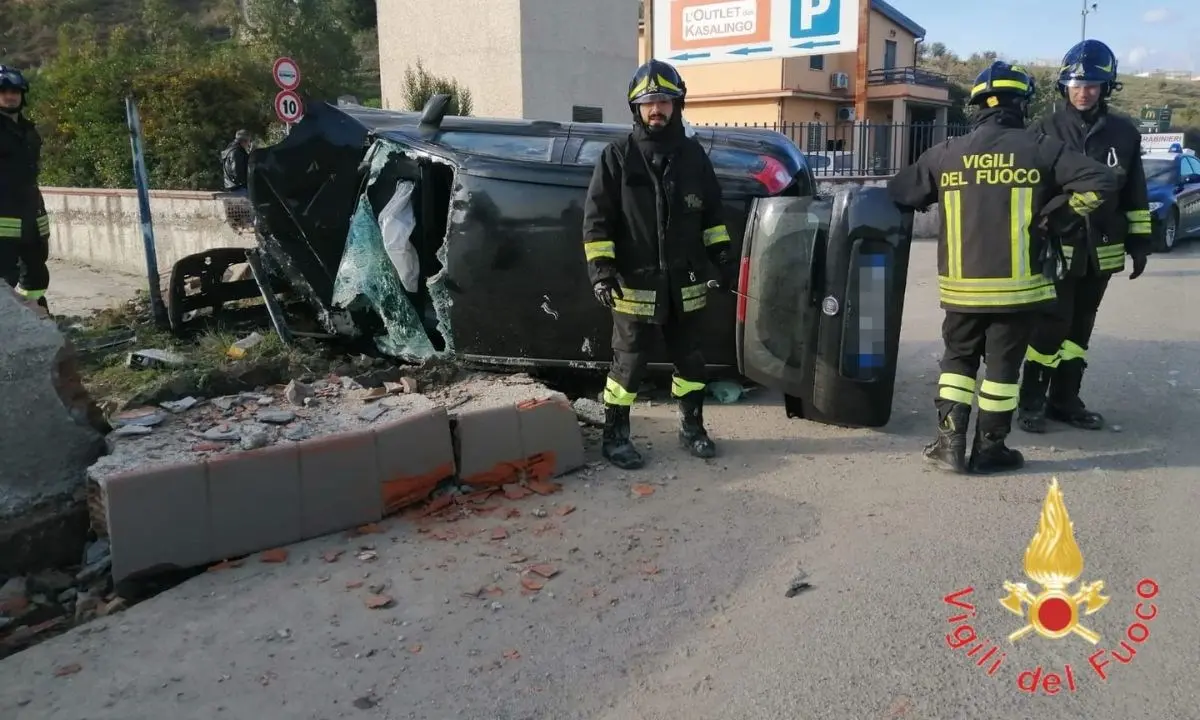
x,y
586,114
816,62
816,137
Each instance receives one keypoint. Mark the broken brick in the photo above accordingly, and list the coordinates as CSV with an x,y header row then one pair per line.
x,y
354,584
277,555
513,491
544,569
531,583
331,555
478,497
225,565
414,649
499,533
512,655
377,601
649,569
544,487
512,513
440,534
369,529
642,490
438,504
564,510
66,670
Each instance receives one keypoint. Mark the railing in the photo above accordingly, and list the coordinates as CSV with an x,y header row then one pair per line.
x,y
848,150
907,76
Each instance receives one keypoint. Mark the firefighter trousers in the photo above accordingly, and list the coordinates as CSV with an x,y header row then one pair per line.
x,y
1061,334
633,341
996,339
23,264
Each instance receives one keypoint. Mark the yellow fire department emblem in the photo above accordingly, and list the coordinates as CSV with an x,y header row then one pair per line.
x,y
1054,561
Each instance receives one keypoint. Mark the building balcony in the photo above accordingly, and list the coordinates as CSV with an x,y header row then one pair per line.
x,y
907,76
910,83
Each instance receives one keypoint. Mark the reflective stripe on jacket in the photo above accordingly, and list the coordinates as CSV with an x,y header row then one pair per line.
x,y
656,235
993,185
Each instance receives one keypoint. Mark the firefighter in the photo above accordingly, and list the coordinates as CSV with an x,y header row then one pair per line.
x,y
24,225
1057,354
996,187
652,231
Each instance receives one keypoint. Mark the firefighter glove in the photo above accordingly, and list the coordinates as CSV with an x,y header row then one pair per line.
x,y
1139,265
726,269
606,291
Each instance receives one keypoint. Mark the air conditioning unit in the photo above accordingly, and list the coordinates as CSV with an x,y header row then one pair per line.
x,y
845,114
839,81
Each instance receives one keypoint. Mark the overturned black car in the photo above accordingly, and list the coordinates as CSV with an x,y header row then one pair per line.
x,y
462,236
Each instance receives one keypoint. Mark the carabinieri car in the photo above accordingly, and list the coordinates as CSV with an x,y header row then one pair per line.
x,y
1173,184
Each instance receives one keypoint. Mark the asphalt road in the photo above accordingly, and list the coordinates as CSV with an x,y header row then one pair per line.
x,y
673,605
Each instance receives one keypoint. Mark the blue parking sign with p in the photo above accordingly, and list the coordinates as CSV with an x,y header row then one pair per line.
x,y
816,18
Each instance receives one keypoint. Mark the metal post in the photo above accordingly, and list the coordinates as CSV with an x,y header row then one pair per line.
x,y
142,181
648,29
864,53
1084,12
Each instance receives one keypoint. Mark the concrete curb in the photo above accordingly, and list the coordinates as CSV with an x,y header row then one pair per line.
x,y
233,505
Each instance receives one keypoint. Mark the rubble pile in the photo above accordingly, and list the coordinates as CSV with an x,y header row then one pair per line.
x,y
192,429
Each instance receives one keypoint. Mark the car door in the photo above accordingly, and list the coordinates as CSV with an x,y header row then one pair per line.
x,y
821,292
1188,198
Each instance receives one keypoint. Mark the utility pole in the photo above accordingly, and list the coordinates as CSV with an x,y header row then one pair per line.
x,y
1083,25
648,29
862,66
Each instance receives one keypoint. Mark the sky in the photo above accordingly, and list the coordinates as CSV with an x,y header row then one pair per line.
x,y
1145,35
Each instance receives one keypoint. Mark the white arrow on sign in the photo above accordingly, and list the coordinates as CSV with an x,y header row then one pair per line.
x,y
286,73
289,108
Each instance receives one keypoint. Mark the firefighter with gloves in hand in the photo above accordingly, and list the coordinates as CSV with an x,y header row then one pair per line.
x,y
1057,354
997,187
652,232
24,224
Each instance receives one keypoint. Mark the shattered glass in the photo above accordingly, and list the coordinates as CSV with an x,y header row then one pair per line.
x,y
367,275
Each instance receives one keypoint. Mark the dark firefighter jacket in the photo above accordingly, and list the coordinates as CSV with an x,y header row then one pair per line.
x,y
1122,225
993,185
234,163
656,237
22,210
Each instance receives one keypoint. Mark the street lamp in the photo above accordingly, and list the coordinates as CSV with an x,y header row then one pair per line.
x,y
1087,10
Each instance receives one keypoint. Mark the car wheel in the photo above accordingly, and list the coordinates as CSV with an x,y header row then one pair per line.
x,y
1170,232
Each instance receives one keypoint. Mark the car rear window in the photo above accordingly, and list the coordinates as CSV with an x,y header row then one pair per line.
x,y
509,147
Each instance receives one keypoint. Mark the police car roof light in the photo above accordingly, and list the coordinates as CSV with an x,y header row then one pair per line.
x,y
1175,148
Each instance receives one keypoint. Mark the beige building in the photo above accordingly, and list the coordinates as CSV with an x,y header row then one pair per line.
x,y
812,98
537,59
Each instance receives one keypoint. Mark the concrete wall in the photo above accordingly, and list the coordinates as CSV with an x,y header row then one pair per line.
x,y
577,52
102,228
520,58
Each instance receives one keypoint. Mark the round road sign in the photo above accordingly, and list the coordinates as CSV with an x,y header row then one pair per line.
x,y
289,108
286,73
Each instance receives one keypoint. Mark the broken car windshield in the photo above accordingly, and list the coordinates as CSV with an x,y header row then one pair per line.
x,y
508,147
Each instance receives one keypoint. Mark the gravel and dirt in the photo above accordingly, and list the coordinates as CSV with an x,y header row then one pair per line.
x,y
801,574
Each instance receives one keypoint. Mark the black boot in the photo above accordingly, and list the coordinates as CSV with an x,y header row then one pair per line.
x,y
1064,404
692,435
990,455
616,447
949,449
1031,413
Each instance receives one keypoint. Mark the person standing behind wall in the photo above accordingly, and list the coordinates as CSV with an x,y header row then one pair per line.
x,y
235,160
652,229
24,224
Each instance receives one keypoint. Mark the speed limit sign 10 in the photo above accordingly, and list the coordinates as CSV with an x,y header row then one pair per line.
x,y
288,107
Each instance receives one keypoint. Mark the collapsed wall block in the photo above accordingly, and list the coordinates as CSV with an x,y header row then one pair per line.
x,y
415,454
532,439
254,500
339,483
158,518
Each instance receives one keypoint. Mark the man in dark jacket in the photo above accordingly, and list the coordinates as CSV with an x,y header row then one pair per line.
x,y
995,187
235,159
652,228
24,225
1057,354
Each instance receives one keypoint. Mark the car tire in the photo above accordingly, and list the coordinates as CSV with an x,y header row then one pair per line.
x,y
1169,236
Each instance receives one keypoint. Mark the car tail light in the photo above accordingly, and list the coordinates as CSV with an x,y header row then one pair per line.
x,y
743,286
772,175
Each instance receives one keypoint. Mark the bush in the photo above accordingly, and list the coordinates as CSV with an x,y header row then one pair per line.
x,y
420,85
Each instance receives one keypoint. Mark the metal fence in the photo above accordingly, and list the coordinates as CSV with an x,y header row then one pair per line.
x,y
849,150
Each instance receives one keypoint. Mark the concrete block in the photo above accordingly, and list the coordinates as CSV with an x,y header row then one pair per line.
x,y
487,445
254,501
158,518
415,454
550,438
339,483
46,439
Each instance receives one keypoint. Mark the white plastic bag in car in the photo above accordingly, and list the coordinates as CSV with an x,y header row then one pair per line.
x,y
396,223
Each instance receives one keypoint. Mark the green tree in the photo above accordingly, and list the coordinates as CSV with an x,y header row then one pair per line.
x,y
420,85
314,34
